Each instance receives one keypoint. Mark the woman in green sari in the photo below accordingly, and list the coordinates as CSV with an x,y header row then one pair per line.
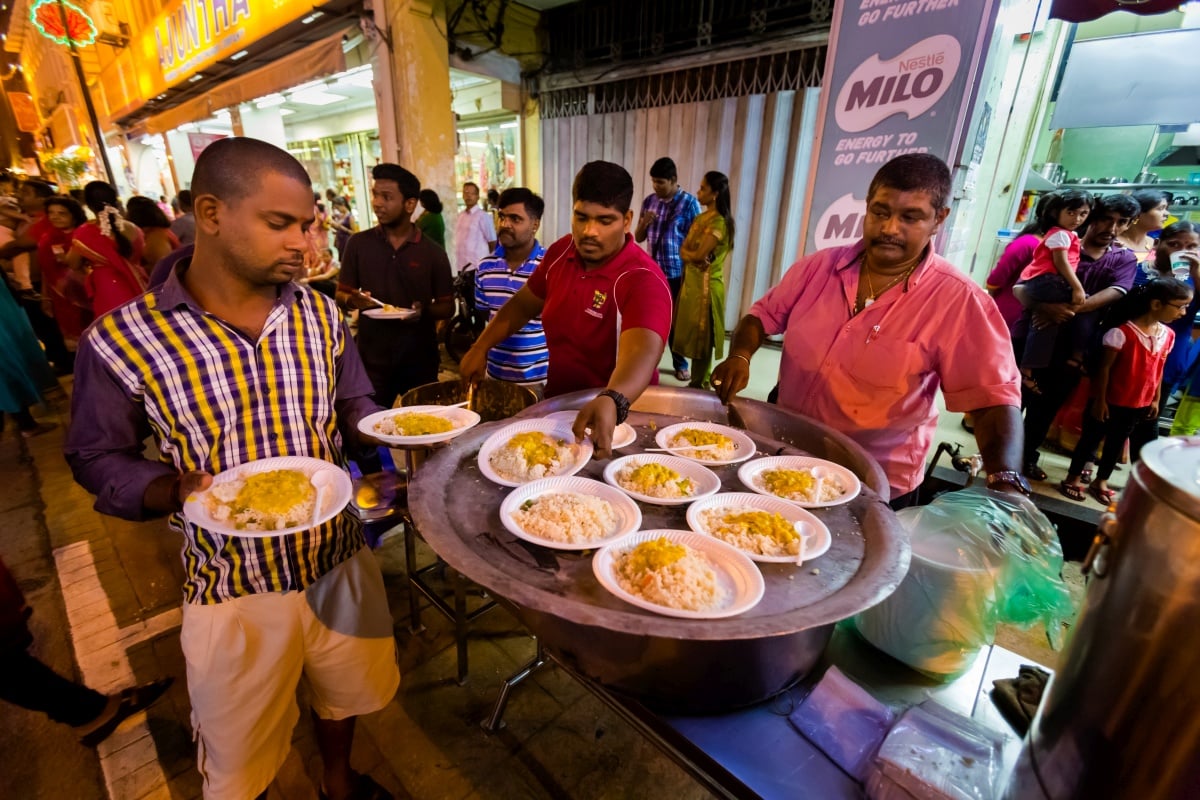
x,y
700,315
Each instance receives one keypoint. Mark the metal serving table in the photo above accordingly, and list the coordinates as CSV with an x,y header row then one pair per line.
x,y
755,752
710,665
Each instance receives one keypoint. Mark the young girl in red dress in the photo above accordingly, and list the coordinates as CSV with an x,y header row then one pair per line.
x,y
1126,384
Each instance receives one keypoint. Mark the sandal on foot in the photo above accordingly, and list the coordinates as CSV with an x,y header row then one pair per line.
x,y
1030,384
1034,472
365,788
1071,491
1102,496
129,702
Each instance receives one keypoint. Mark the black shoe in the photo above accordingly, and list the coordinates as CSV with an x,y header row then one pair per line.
x,y
129,702
1034,472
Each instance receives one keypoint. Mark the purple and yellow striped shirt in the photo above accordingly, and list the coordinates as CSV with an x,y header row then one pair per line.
x,y
213,399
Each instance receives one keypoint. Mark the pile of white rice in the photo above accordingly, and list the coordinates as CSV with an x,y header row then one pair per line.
x,y
567,517
724,450
510,463
800,485
655,480
742,527
275,500
689,584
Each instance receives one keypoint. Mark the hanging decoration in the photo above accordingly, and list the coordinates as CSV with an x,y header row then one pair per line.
x,y
47,18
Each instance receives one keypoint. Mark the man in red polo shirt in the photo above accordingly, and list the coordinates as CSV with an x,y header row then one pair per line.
x,y
604,303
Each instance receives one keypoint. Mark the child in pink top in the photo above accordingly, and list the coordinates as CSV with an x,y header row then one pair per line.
x,y
1050,278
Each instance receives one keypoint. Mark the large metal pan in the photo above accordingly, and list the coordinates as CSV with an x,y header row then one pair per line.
x,y
674,664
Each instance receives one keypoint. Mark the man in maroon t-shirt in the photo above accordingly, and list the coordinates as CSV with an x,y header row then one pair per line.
x,y
604,303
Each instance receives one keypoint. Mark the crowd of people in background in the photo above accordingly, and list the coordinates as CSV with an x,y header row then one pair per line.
x,y
1098,293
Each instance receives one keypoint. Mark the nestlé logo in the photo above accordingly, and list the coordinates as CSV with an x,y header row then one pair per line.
x,y
911,83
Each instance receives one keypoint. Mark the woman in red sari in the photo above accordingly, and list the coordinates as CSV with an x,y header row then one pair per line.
x,y
63,287
108,250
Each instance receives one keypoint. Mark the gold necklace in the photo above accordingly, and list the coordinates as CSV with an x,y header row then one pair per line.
x,y
871,286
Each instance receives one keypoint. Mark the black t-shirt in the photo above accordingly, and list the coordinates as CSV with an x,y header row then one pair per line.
x,y
417,271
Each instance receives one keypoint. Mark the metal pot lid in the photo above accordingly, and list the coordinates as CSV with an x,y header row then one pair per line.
x,y
1171,469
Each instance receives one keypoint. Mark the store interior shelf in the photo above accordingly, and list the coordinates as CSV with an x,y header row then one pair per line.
x,y
1105,186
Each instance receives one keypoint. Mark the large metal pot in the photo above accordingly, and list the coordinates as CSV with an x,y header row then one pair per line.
x,y
671,663
1120,717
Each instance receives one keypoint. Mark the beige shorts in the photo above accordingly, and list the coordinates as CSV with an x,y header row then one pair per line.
x,y
246,657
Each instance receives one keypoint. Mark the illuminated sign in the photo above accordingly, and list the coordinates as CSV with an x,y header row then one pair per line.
x,y
189,35
48,16
196,31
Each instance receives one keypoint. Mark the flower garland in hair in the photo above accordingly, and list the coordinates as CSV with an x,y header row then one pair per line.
x,y
105,220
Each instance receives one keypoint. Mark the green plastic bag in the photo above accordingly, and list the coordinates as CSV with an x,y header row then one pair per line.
x,y
980,558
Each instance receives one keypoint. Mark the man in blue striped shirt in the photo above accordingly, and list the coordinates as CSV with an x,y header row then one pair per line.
x,y
523,357
667,216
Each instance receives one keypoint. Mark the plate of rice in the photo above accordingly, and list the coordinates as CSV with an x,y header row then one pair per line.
x,y
679,574
418,425
764,528
531,450
803,480
271,497
661,479
391,312
623,435
571,513
706,443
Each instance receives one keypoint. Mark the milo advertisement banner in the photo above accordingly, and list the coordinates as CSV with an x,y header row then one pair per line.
x,y
899,79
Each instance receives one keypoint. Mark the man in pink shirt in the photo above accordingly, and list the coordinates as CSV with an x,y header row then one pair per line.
x,y
873,330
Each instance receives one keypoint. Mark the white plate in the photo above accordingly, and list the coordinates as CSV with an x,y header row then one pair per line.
x,y
402,313
816,535
623,435
500,438
629,516
463,419
705,481
748,473
336,495
735,572
744,444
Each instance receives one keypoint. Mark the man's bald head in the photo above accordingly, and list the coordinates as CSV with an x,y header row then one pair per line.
x,y
232,169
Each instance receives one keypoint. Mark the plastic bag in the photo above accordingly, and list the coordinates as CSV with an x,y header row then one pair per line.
x,y
844,721
979,558
933,753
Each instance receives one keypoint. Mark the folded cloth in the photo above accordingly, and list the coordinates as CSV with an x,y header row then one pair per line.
x,y
1018,698
844,721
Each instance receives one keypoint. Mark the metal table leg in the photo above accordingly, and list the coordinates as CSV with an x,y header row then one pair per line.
x,y
496,719
410,565
460,621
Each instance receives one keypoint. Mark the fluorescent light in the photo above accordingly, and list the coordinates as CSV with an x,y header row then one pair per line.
x,y
270,100
283,112
508,125
199,76
312,17
482,129
239,55
315,97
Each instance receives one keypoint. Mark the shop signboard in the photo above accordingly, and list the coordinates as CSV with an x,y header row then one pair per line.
x,y
24,111
199,141
898,79
190,35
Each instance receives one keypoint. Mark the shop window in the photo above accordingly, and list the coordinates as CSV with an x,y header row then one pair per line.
x,y
488,155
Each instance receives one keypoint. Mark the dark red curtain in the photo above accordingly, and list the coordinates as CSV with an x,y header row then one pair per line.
x,y
1087,10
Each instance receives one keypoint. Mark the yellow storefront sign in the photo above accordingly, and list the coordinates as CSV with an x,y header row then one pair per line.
x,y
189,35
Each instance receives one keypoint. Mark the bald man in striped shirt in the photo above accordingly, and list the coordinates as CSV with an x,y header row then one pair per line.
x,y
228,362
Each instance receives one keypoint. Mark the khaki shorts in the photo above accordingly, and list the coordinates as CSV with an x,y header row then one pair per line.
x,y
246,657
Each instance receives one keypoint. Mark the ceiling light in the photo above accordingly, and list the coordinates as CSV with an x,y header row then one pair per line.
x,y
508,125
239,55
481,129
283,112
270,100
311,17
315,97
199,76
